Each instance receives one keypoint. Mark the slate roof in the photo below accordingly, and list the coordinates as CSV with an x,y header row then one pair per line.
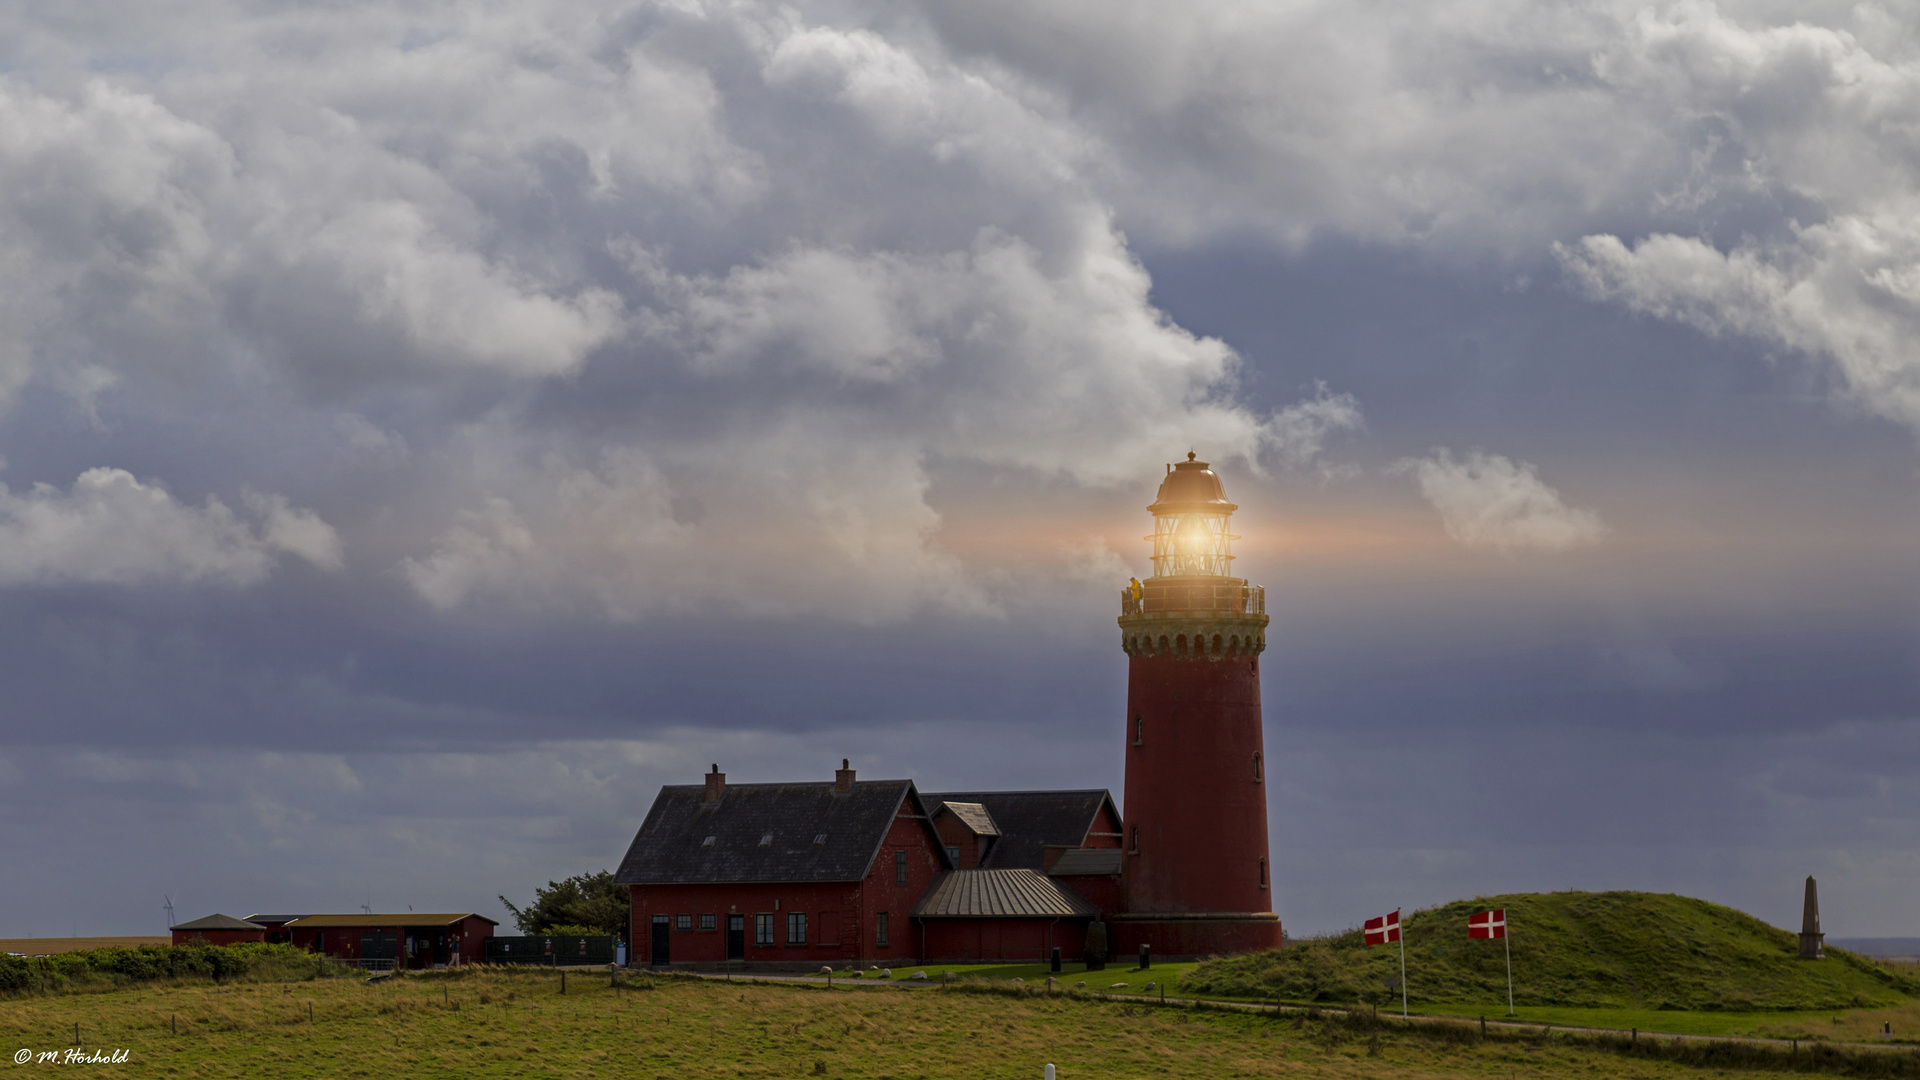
x,y
1086,862
672,844
1029,821
378,919
1001,894
276,920
218,922
975,817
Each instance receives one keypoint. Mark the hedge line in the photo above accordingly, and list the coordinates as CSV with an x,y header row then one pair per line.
x,y
119,966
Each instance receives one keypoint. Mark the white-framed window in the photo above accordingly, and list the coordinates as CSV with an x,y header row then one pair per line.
x,y
763,929
683,922
796,928
706,922
880,929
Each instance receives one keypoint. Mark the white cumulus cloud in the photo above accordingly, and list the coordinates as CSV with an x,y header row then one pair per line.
x,y
1492,502
110,528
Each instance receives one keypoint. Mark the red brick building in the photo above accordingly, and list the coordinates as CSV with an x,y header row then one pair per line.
x,y
218,930
857,871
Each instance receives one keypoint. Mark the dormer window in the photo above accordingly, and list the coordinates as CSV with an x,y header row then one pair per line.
x,y
766,840
708,842
819,838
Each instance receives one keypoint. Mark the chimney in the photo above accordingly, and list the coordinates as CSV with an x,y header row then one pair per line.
x,y
843,777
716,783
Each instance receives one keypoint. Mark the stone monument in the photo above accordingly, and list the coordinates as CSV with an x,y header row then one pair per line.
x,y
1810,935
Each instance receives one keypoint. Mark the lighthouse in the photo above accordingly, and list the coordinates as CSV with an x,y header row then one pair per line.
x,y
1194,874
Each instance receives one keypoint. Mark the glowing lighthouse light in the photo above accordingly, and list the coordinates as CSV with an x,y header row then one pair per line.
x,y
1190,524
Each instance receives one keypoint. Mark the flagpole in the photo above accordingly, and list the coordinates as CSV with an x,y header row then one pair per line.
x,y
1508,945
1403,970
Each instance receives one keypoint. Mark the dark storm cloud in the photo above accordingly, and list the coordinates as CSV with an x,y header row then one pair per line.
x,y
452,421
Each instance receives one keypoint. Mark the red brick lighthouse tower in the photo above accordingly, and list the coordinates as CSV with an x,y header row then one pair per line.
x,y
1195,874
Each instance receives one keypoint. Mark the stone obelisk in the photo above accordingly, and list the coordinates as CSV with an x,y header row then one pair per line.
x,y
1810,935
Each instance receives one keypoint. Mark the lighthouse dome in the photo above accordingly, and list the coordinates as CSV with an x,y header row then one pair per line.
x,y
1191,485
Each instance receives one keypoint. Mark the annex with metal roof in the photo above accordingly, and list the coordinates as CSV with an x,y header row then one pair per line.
x,y
1001,894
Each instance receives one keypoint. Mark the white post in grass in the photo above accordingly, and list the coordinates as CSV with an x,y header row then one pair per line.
x,y
1049,1072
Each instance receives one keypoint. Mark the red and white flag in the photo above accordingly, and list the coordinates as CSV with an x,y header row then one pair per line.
x,y
1384,929
1488,924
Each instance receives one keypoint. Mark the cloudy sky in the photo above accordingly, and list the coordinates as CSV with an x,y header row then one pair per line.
x,y
429,427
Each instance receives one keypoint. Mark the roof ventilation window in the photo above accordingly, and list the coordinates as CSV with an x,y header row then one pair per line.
x,y
766,840
708,842
819,838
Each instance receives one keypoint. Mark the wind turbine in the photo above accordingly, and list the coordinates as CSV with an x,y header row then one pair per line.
x,y
169,907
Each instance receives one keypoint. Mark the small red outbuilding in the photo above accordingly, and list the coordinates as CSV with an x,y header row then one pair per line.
x,y
410,940
218,930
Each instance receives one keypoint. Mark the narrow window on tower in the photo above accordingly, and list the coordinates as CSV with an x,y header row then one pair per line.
x,y
899,868
1139,731
1258,775
1133,848
880,929
1263,872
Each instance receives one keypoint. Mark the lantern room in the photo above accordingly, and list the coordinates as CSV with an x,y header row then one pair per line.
x,y
1191,518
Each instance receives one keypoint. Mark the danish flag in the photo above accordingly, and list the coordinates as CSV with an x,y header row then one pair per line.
x,y
1488,924
1384,929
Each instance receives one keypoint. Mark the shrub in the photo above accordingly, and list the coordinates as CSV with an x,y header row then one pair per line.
x,y
115,967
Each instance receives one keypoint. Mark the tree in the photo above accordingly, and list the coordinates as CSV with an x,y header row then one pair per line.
x,y
582,900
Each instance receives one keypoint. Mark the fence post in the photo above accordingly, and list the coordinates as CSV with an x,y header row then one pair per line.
x,y
1056,959
1049,1072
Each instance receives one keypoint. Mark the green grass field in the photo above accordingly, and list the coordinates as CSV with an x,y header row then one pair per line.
x,y
493,1023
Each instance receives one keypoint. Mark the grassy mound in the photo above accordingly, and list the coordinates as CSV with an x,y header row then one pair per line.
x,y
1587,950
